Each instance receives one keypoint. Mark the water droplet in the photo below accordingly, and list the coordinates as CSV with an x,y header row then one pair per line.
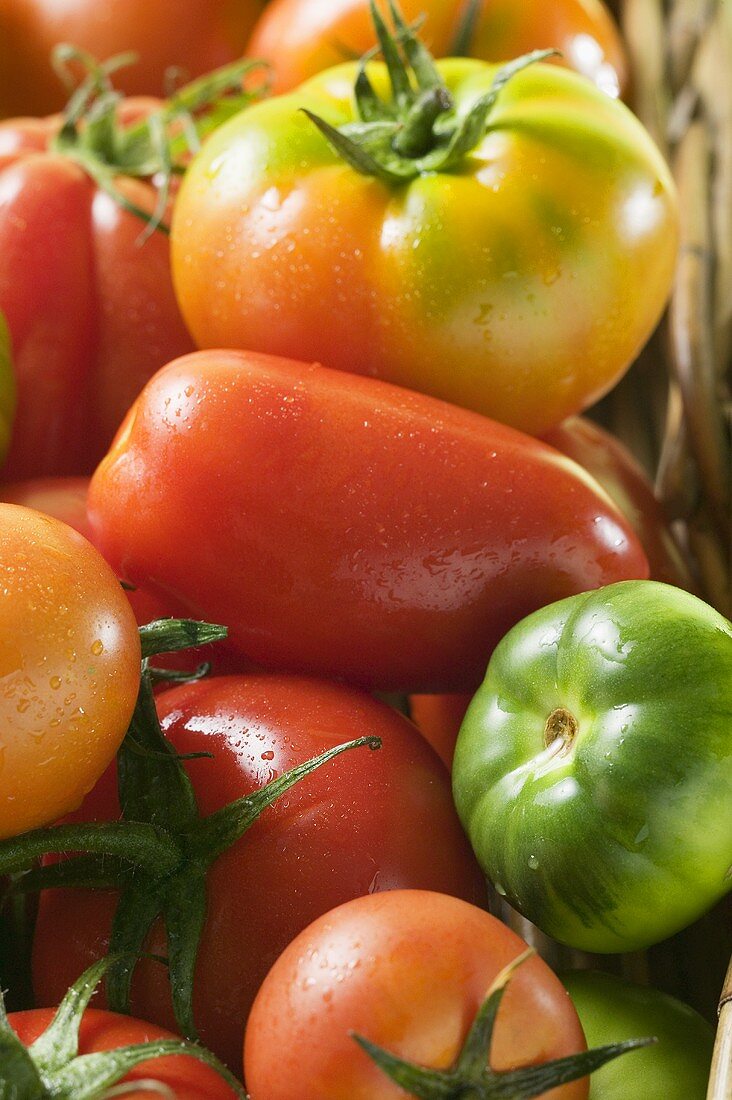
x,y
533,863
269,755
55,682
97,647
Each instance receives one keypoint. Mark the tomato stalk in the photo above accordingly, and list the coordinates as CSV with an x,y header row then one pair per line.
x,y
160,853
418,130
471,1077
158,146
52,1066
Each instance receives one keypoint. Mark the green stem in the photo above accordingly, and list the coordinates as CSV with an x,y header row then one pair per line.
x,y
416,136
142,844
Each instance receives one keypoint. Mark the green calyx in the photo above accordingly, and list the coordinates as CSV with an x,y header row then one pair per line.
x,y
471,1077
159,854
53,1068
157,147
418,130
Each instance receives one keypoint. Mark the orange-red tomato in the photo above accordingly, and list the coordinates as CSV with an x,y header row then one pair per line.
x,y
190,35
188,1078
301,37
344,527
70,668
408,970
91,310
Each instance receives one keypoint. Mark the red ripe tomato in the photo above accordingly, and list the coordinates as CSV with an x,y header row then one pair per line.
x,y
192,36
344,527
188,1078
407,970
301,37
91,310
367,822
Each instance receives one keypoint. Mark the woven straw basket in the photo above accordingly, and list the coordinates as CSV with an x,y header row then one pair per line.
x,y
674,409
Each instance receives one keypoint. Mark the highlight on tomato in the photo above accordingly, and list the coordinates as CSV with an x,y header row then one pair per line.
x,y
326,518
593,770
413,992
167,38
300,38
79,1053
70,667
501,237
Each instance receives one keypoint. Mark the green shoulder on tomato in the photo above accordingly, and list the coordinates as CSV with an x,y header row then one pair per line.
x,y
593,771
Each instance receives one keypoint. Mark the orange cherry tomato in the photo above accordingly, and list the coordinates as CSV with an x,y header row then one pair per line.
x,y
69,668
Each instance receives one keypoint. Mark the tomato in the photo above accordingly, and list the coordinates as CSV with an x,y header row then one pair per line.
x,y
605,457
593,770
70,667
188,1078
355,515
91,310
301,37
7,389
369,821
677,1068
438,718
190,36
407,970
512,259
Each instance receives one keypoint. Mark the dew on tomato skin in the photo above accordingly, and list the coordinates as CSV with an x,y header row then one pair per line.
x,y
55,683
97,647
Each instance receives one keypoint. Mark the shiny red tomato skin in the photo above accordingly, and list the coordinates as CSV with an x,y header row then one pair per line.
x,y
341,526
370,821
408,970
621,476
100,1030
91,310
192,36
301,37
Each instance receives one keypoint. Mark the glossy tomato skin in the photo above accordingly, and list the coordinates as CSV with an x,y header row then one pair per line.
x,y
367,822
407,970
302,37
355,516
70,666
100,1030
91,310
614,467
190,36
611,1009
520,284
593,770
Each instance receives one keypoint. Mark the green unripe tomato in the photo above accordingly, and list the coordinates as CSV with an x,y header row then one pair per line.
x,y
593,770
610,1010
